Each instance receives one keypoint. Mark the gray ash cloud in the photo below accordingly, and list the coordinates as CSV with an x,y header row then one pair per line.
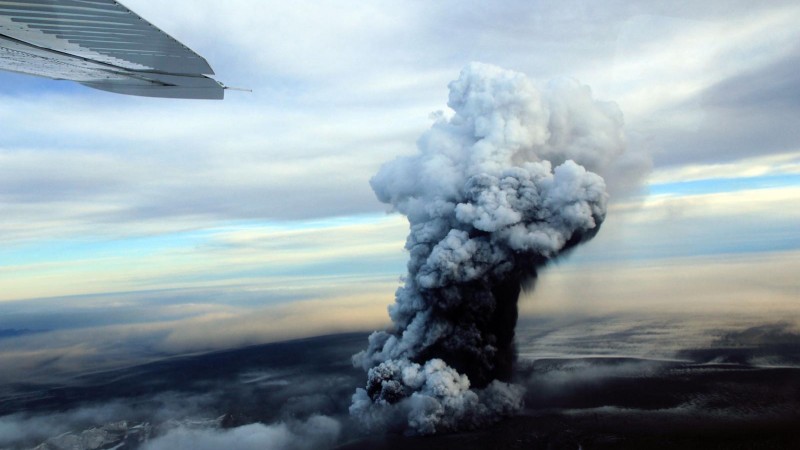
x,y
508,182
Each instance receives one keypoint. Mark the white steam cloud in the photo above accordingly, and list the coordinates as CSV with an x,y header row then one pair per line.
x,y
505,184
317,432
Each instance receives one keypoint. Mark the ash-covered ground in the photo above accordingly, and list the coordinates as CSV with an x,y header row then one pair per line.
x,y
610,382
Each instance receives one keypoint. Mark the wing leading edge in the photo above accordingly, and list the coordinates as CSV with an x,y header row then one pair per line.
x,y
100,44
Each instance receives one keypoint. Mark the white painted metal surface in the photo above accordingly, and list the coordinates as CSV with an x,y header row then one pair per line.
x,y
101,44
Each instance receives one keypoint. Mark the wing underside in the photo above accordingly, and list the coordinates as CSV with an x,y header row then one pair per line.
x,y
101,44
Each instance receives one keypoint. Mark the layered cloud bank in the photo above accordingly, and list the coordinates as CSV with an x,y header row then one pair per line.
x,y
507,183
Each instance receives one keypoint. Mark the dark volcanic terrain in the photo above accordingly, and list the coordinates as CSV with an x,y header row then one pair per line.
x,y
636,404
714,397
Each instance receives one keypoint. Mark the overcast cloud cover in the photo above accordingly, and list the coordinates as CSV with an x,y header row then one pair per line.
x,y
134,228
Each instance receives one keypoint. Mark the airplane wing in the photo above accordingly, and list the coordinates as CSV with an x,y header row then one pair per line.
x,y
100,44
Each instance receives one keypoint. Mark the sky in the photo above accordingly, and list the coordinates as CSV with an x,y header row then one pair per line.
x,y
137,228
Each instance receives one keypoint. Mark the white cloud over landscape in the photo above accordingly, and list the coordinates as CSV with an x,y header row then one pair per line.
x,y
173,226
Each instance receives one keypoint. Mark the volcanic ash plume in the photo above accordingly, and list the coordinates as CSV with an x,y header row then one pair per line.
x,y
494,192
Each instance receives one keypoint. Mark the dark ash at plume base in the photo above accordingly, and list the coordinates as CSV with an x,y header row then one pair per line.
x,y
496,190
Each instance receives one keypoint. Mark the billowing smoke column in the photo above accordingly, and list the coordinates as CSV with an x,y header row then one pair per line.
x,y
495,192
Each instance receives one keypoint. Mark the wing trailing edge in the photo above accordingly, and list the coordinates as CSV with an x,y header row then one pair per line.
x,y
103,45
